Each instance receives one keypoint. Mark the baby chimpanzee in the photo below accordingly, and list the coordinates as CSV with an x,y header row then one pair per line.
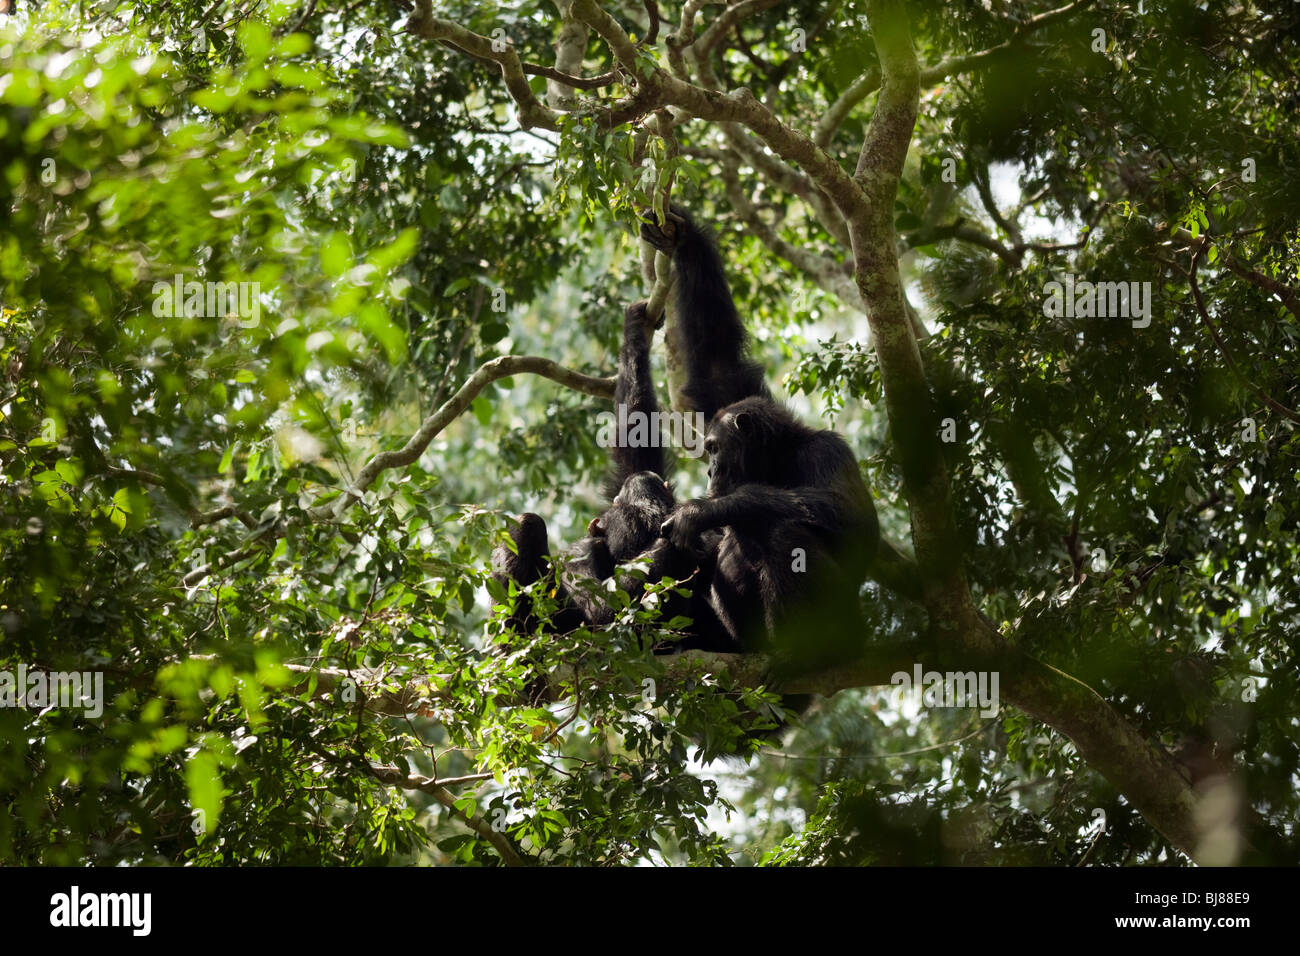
x,y
642,501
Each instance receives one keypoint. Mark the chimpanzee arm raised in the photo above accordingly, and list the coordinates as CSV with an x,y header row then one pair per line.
x,y
634,393
718,371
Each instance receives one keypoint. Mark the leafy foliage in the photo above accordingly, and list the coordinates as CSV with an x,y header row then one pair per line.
x,y
175,512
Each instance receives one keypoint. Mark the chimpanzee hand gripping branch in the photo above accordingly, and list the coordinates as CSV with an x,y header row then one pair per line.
x,y
778,548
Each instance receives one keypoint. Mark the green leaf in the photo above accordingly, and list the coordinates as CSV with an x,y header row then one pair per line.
x,y
203,785
254,40
336,255
493,332
69,470
374,319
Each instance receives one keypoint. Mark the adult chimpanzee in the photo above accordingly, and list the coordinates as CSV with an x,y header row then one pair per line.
x,y
798,523
641,501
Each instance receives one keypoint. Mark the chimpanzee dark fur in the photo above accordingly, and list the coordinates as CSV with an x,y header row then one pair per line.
x,y
777,550
641,501
798,523
718,369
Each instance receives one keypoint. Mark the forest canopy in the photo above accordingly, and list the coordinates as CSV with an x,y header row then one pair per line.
x,y
302,304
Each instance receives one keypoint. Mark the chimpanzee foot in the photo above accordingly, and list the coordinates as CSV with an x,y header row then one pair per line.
x,y
665,237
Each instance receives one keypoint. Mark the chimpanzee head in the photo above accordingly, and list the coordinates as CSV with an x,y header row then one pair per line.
x,y
632,522
528,561
592,555
742,444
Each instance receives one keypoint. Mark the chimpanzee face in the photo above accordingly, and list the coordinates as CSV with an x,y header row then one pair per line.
x,y
736,448
632,521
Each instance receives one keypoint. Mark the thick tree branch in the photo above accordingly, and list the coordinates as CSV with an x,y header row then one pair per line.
x,y
1115,748
778,172
453,408
907,398
869,82
1144,773
858,90
676,42
652,30
686,30
877,666
729,17
570,48
966,62
594,15
966,233
656,88
531,110
829,274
